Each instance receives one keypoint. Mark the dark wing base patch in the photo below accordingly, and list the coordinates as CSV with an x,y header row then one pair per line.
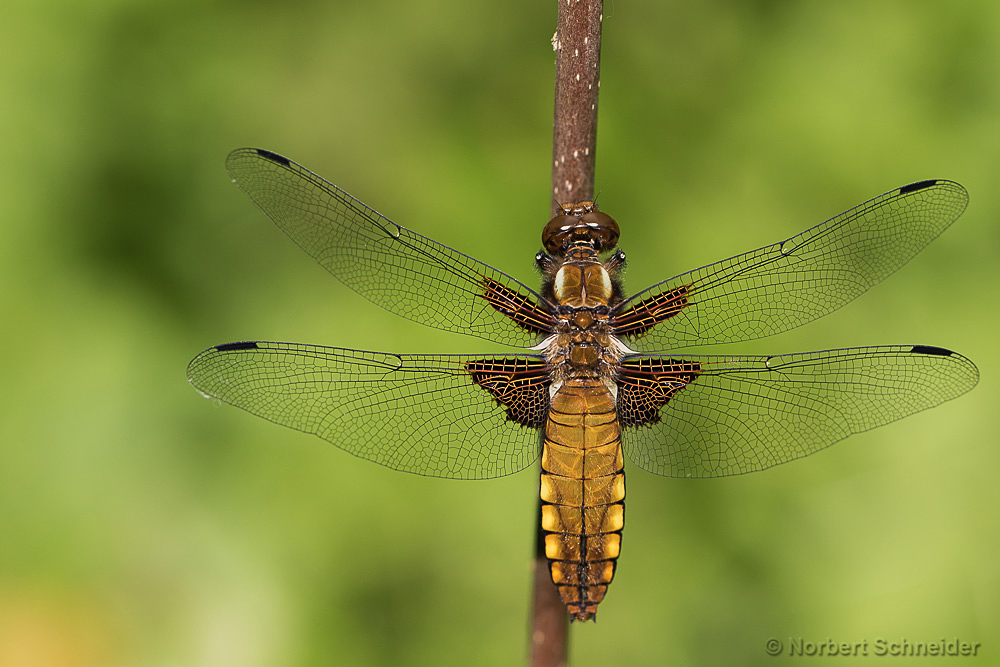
x,y
520,308
520,385
644,315
646,384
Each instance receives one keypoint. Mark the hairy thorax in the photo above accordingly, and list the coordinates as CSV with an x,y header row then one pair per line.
x,y
584,291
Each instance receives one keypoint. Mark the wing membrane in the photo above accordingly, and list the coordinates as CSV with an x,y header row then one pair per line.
x,y
417,413
784,285
739,414
402,271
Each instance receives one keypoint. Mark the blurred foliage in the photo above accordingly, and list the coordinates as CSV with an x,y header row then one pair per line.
x,y
143,525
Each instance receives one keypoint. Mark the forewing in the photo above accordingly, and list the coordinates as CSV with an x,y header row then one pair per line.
x,y
435,415
784,285
728,415
402,271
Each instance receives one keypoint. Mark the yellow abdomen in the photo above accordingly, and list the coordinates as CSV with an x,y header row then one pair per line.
x,y
583,493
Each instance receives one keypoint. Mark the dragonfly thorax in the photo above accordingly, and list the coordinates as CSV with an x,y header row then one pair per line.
x,y
582,285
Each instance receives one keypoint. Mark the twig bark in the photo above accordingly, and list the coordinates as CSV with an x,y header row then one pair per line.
x,y
577,44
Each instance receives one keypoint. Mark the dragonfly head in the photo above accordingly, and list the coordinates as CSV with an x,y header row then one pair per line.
x,y
578,223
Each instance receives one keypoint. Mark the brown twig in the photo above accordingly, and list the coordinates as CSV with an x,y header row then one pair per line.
x,y
577,44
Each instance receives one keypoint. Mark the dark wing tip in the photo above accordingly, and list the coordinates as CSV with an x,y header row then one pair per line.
x,y
273,157
919,185
231,347
931,350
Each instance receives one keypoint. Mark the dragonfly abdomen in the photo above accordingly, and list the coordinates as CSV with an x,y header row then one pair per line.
x,y
583,493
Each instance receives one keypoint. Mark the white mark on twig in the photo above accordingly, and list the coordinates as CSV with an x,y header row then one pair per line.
x,y
556,44
577,77
576,154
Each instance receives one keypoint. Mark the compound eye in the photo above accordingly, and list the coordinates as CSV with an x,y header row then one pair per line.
x,y
602,229
558,231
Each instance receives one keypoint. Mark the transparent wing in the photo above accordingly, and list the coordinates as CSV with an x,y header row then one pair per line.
x,y
729,415
784,285
397,269
423,414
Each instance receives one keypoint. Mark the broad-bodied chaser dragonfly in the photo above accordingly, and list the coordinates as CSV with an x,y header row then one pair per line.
x,y
603,377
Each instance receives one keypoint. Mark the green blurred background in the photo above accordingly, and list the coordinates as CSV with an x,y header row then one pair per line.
x,y
141,524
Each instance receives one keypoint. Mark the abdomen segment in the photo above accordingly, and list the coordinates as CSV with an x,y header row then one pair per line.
x,y
583,493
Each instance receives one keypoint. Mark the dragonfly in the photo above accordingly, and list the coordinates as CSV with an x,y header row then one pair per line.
x,y
601,376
